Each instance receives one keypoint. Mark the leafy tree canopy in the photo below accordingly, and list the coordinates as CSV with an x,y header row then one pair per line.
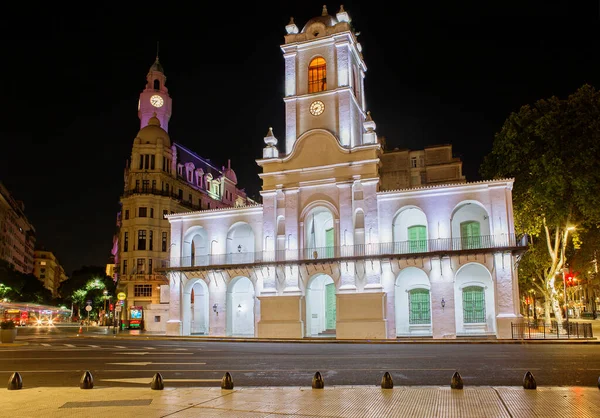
x,y
88,282
552,150
18,287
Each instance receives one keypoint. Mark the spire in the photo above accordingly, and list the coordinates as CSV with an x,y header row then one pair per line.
x,y
270,151
157,65
324,13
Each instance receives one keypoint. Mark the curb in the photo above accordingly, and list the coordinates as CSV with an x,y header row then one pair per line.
x,y
14,344
334,341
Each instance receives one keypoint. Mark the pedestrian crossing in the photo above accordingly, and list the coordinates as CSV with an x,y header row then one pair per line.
x,y
103,347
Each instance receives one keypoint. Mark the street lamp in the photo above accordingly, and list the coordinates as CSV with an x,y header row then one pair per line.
x,y
564,274
105,294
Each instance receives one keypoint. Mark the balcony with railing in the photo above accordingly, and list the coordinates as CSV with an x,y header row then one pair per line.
x,y
431,247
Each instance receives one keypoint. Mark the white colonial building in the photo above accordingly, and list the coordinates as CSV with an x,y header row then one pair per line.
x,y
350,241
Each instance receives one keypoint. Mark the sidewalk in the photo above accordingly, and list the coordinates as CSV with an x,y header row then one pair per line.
x,y
340,401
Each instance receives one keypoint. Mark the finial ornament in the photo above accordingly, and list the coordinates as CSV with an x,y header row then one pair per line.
x,y
291,21
341,8
324,13
157,50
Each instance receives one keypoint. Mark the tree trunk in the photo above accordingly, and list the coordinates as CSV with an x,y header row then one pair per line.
x,y
547,310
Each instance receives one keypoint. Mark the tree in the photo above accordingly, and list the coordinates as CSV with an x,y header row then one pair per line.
x,y
87,283
18,287
551,149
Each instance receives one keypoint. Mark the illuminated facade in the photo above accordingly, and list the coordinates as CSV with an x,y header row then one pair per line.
x,y
48,270
17,234
161,177
350,241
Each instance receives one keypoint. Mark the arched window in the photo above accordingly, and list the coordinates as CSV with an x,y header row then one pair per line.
x,y
419,307
473,305
317,75
156,85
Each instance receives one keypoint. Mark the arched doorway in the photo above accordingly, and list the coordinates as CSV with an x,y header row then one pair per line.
x,y
412,303
199,309
240,243
319,233
321,312
194,308
195,247
474,295
240,308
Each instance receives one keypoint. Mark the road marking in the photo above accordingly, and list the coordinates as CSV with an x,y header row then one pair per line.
x,y
146,381
70,345
143,353
94,346
45,345
120,346
146,363
135,353
150,348
180,349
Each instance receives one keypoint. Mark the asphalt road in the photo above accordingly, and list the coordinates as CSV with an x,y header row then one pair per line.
x,y
60,357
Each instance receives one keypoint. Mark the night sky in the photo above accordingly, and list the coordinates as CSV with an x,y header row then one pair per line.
x,y
437,72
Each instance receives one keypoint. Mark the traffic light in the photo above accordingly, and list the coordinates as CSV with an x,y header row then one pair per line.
x,y
569,279
111,307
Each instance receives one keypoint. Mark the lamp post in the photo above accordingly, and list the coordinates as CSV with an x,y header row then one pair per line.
x,y
564,272
104,317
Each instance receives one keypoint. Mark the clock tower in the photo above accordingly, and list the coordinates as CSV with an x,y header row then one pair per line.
x,y
324,88
155,98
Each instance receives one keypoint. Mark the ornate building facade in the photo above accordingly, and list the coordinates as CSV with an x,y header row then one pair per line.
x,y
17,234
350,241
161,177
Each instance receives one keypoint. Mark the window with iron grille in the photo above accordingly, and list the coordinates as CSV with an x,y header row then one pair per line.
x,y
419,307
317,75
473,305
142,290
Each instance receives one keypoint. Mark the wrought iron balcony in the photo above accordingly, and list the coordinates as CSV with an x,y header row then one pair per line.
x,y
441,246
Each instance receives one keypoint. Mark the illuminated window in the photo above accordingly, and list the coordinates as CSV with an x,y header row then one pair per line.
x,y
43,263
317,75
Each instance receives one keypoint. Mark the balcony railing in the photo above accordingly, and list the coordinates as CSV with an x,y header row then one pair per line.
x,y
441,245
143,277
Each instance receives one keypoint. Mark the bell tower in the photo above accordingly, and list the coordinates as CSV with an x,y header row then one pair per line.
x,y
155,97
324,73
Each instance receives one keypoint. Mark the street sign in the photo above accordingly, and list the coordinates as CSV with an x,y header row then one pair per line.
x,y
121,296
118,309
88,308
89,302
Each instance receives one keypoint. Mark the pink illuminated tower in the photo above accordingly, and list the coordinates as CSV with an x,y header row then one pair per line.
x,y
155,98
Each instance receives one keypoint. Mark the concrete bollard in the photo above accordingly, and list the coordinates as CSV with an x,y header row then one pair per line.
x,y
386,381
15,382
529,381
227,381
456,382
599,383
87,381
317,381
157,382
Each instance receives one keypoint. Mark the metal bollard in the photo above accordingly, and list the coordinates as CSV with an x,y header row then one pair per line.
x,y
529,381
386,381
317,381
157,382
87,381
456,382
227,381
15,382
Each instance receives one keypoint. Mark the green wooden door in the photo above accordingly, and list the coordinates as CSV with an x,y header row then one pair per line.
x,y
417,239
470,234
329,242
419,307
330,306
